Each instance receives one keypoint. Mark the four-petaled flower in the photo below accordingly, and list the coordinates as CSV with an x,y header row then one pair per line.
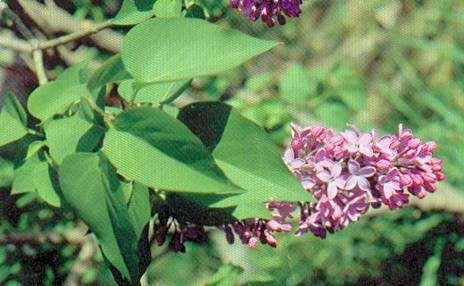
x,y
359,176
330,174
356,142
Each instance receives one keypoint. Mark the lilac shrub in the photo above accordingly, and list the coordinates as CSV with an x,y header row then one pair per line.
x,y
270,11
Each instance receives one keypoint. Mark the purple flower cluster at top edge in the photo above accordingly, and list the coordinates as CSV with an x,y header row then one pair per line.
x,y
270,11
350,171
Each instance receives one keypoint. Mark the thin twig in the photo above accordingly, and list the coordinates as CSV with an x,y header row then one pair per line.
x,y
74,36
15,44
52,18
37,56
73,237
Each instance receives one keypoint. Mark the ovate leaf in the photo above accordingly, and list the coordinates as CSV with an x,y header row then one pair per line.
x,y
57,96
171,49
13,121
70,135
35,175
247,155
149,146
164,92
91,188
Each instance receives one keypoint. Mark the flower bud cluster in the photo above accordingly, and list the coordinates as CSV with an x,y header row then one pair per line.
x,y
270,11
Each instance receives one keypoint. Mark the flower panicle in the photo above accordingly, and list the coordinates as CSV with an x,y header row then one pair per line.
x,y
349,172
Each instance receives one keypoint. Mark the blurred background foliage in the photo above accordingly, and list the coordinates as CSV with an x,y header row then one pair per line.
x,y
373,63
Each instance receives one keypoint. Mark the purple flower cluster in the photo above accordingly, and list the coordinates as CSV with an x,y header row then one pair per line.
x,y
270,11
350,171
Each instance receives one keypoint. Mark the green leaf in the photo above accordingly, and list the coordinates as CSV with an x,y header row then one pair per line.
x,y
111,71
167,8
164,92
13,120
150,147
171,49
295,85
139,207
70,135
35,175
6,173
90,186
133,12
246,154
57,96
